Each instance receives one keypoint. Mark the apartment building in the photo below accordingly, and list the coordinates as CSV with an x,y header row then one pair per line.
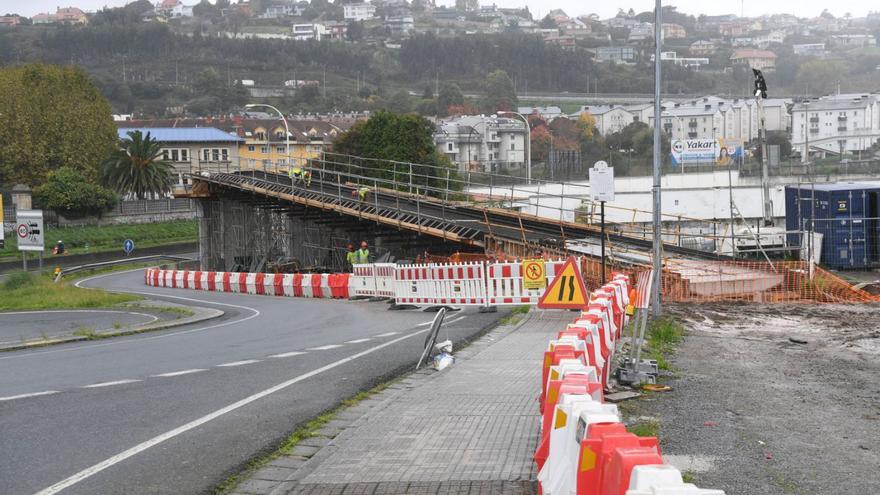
x,y
358,11
478,143
836,124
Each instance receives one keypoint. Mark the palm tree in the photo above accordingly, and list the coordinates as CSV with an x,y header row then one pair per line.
x,y
137,168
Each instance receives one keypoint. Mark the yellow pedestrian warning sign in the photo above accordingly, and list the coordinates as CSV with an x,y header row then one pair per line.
x,y
533,274
567,291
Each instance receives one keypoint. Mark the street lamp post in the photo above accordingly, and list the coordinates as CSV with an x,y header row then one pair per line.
x,y
528,142
286,128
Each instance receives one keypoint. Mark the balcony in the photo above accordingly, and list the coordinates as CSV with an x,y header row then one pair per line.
x,y
841,118
841,128
692,135
814,130
814,120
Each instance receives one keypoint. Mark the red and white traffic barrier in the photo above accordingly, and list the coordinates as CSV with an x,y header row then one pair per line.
x,y
505,286
458,284
584,448
315,285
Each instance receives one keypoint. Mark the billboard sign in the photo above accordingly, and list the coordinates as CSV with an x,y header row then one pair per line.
x,y
29,230
602,182
721,152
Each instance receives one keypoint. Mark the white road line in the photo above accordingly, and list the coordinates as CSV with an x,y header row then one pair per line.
x,y
238,363
424,324
97,468
287,354
109,384
255,314
325,347
178,373
455,320
25,396
388,334
358,341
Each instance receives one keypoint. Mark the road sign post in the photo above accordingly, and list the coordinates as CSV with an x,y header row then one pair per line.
x,y
602,190
128,246
29,232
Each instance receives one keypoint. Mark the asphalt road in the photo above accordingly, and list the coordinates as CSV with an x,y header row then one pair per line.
x,y
180,410
23,325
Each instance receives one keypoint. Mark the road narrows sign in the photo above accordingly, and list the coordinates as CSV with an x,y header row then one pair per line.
x,y
533,274
567,291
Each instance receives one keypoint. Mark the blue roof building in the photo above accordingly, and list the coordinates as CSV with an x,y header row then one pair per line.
x,y
193,150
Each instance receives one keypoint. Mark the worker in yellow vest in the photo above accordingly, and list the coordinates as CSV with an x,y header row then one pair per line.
x,y
363,254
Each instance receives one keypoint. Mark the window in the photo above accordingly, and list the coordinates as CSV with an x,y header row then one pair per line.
x,y
175,155
264,150
280,149
215,154
260,135
251,147
449,146
512,146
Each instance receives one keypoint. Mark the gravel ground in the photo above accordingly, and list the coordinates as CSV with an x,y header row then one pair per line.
x,y
753,412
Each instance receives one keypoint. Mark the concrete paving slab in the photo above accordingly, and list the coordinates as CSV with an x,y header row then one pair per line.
x,y
472,428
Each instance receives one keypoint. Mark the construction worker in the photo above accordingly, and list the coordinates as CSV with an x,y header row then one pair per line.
x,y
307,178
351,256
295,174
59,248
363,254
362,193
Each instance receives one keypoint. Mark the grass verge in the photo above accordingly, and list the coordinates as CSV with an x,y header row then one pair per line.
x,y
91,239
662,338
649,428
516,314
27,292
303,432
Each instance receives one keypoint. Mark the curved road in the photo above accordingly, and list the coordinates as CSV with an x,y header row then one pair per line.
x,y
180,410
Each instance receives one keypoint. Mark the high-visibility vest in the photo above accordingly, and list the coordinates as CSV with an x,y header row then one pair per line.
x,y
363,256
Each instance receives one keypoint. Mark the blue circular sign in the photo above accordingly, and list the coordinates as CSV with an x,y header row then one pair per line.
x,y
128,246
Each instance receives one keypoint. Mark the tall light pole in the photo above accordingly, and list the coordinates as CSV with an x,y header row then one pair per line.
x,y
658,266
528,142
286,127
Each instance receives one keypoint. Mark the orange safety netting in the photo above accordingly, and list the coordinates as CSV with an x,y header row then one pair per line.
x,y
753,281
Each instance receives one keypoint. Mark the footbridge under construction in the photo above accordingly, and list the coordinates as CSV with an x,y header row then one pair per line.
x,y
262,220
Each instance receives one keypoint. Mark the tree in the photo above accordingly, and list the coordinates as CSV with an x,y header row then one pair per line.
x,y
586,123
389,138
355,31
450,95
500,94
821,76
68,192
547,22
52,117
136,167
427,93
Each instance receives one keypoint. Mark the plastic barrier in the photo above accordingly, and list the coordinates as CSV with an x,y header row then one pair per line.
x,y
504,283
385,279
662,479
363,281
456,284
584,449
324,285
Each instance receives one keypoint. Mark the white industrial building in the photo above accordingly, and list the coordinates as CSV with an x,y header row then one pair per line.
x,y
358,11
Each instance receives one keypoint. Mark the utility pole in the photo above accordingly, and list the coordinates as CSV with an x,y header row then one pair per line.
x,y
655,190
760,95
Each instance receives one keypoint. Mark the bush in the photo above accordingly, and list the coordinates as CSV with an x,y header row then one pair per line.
x,y
18,280
68,192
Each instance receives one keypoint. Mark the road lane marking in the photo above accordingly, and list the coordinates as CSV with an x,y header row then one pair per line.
x,y
388,334
456,320
358,341
238,363
325,347
424,324
25,396
287,354
178,373
255,314
109,384
97,468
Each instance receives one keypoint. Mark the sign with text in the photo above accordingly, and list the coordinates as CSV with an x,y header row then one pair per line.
x,y
602,182
29,230
721,152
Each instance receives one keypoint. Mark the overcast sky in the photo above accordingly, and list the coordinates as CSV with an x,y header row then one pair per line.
x,y
803,8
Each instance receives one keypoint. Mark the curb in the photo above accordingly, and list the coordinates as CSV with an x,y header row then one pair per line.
x,y
206,314
283,473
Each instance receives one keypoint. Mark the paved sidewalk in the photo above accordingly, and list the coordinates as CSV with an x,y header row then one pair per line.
x,y
472,428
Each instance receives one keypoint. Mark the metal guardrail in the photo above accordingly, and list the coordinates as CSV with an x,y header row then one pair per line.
x,y
123,261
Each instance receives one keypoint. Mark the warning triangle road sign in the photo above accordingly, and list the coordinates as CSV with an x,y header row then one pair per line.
x,y
567,291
